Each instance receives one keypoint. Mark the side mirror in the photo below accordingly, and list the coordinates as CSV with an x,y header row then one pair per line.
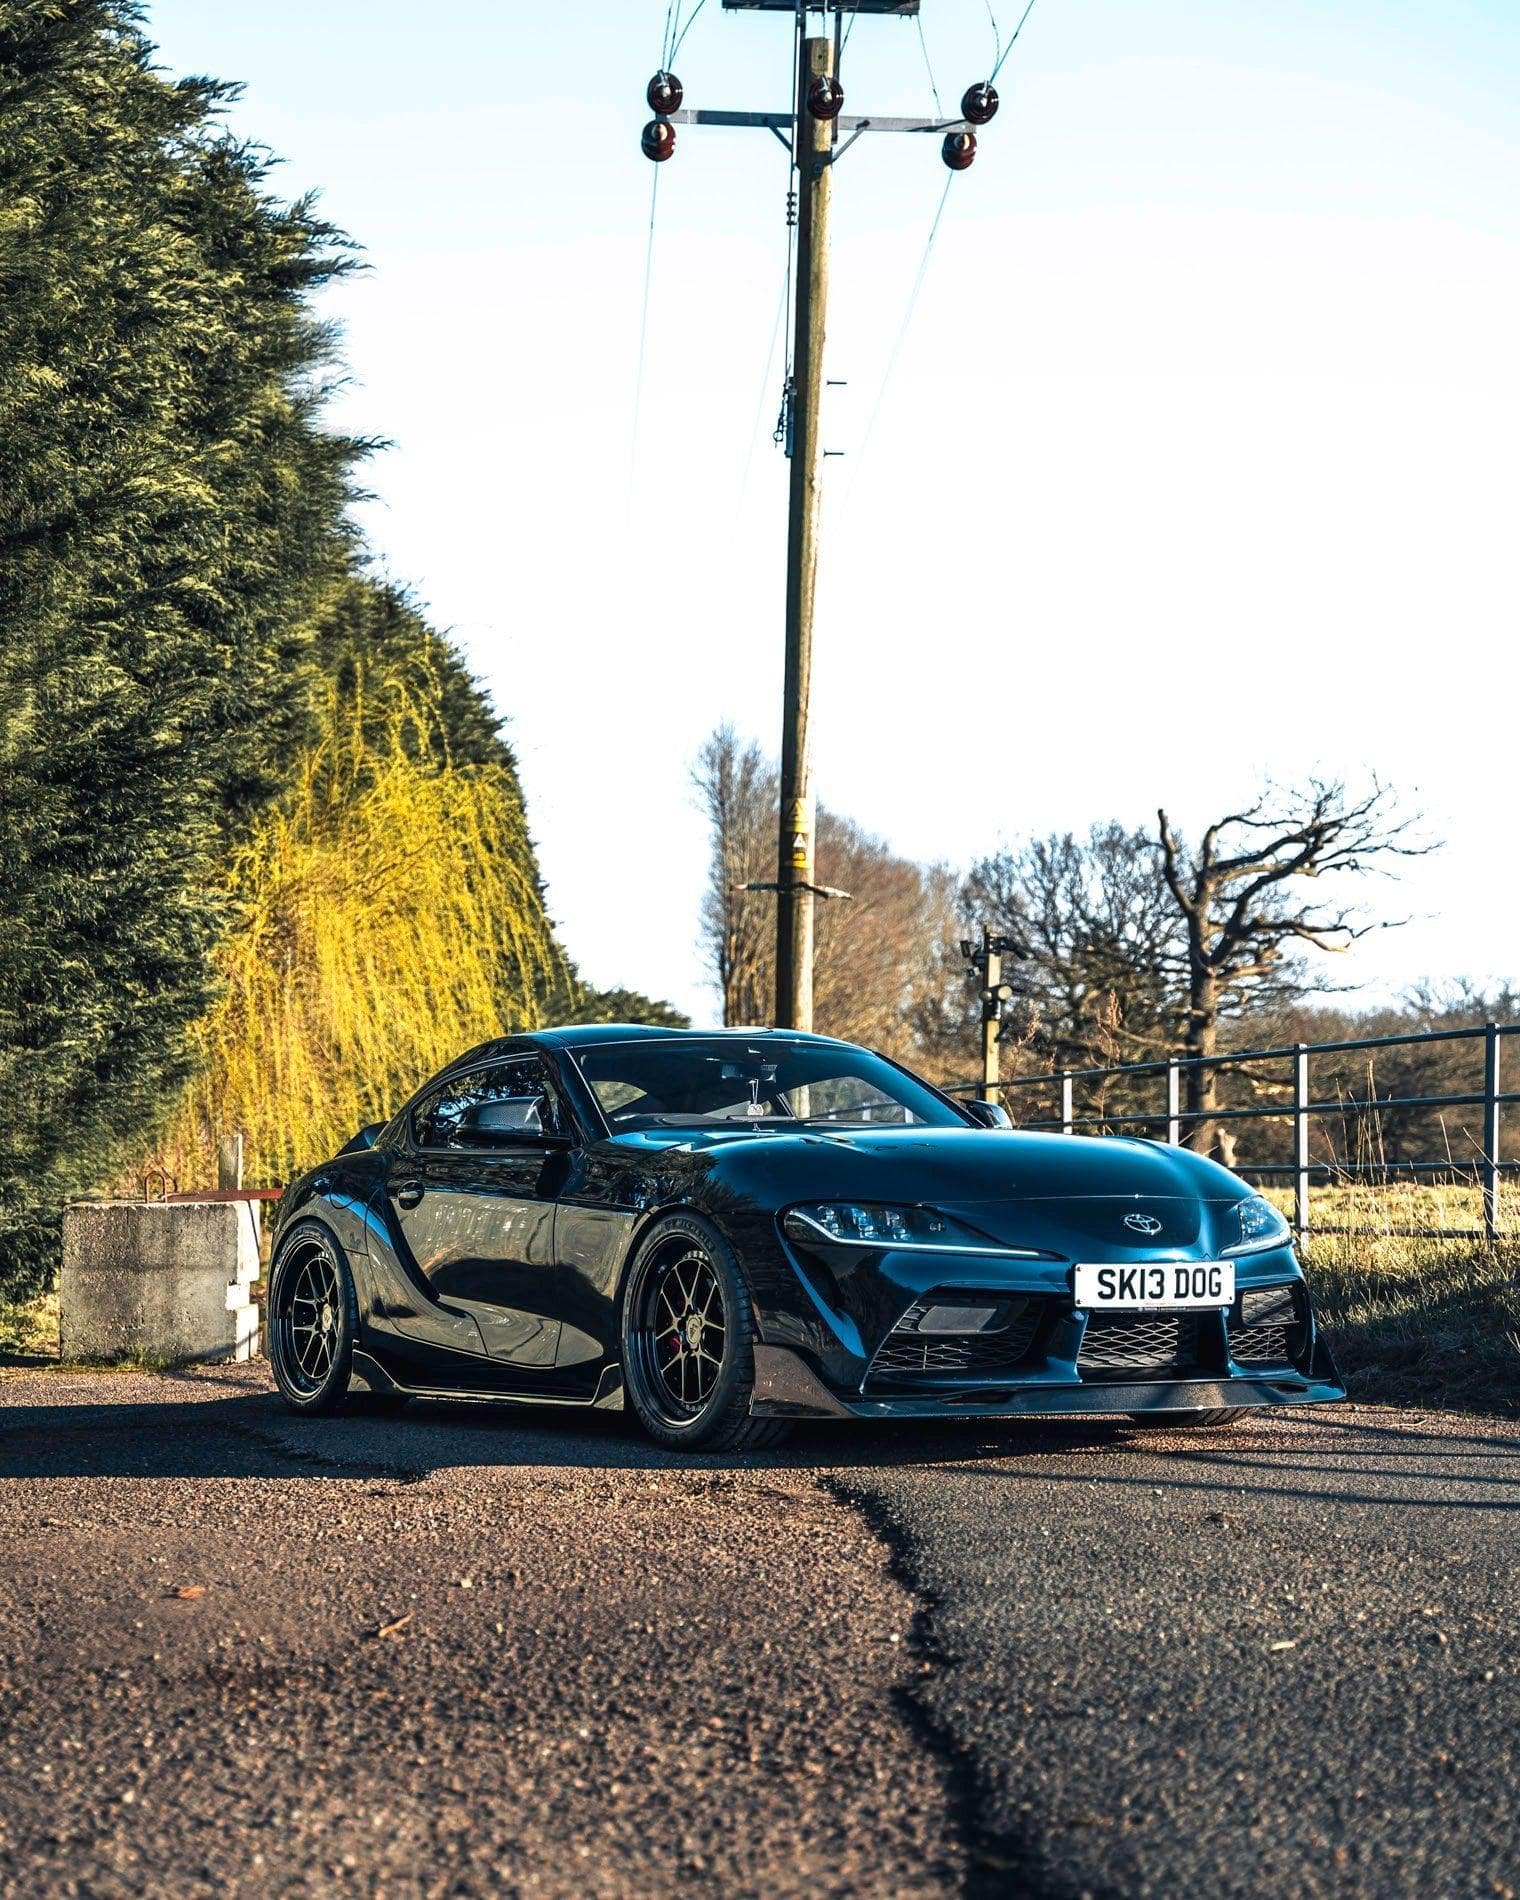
x,y
988,1114
366,1138
501,1124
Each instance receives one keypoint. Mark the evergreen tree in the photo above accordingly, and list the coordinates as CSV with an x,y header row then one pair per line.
x,y
171,513
201,688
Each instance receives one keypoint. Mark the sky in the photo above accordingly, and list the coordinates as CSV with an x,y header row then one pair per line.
x,y
1195,465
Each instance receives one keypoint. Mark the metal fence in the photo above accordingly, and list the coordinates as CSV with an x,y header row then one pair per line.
x,y
1283,1081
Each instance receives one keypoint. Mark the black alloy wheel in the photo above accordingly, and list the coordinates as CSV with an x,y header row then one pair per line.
x,y
313,1320
688,1341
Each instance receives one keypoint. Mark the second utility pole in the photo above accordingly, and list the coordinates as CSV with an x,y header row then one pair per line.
x,y
794,863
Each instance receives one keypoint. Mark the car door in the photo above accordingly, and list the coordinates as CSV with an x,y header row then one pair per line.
x,y
473,1196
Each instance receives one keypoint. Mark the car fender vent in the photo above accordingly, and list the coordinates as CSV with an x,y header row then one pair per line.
x,y
951,1319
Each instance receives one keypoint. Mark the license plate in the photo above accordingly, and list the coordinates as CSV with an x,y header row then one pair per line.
x,y
1173,1283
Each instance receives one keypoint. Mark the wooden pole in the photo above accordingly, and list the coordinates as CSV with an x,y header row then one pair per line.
x,y
992,1022
794,867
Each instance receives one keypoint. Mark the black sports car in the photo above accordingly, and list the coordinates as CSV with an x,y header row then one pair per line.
x,y
728,1230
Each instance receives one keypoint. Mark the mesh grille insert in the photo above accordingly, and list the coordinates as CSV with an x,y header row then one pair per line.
x,y
1131,1342
1261,1346
1267,1328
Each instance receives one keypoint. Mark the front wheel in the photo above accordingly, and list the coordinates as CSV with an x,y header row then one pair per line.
x,y
313,1320
1185,1421
689,1341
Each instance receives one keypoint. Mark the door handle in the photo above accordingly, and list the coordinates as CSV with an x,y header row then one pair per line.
x,y
409,1194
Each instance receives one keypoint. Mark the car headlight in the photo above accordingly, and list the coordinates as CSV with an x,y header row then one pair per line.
x,y
1253,1224
870,1224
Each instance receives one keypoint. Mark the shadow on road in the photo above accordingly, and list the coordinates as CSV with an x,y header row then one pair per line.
x,y
194,1423
221,1429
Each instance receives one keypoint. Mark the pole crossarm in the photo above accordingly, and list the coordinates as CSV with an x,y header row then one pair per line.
x,y
786,121
818,890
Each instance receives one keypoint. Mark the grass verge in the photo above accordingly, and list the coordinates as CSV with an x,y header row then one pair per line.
x,y
1437,1326
29,1330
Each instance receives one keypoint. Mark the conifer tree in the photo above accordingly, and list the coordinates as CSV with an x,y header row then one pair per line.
x,y
171,512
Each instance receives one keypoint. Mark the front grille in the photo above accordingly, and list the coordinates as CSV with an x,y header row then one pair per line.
x,y
1131,1342
906,1352
1266,1328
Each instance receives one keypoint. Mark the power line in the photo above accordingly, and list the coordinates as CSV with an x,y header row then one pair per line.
x,y
907,322
939,110
638,383
1011,44
765,380
997,38
681,40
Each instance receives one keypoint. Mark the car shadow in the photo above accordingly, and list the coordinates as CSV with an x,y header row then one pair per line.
x,y
204,1423
193,1423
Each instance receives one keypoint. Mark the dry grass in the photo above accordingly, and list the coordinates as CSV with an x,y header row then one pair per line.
x,y
1415,1320
30,1330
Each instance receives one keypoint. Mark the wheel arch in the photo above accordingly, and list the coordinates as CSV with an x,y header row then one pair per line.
x,y
646,1227
310,1216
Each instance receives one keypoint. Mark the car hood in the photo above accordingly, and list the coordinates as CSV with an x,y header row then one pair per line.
x,y
949,1167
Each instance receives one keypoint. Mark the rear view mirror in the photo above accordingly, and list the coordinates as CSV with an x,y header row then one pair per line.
x,y
988,1114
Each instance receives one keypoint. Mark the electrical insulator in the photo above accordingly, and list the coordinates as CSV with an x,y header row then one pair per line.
x,y
958,150
825,97
665,94
659,140
979,103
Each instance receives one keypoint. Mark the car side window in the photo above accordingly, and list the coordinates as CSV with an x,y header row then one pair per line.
x,y
491,1107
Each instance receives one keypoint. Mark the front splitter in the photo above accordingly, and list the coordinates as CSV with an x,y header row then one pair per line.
x,y
787,1387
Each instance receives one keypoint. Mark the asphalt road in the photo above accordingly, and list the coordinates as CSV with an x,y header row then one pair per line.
x,y
1047,1660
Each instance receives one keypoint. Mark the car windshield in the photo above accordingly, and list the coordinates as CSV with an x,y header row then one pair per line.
x,y
695,1083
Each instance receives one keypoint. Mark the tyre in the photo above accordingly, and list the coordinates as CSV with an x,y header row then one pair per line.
x,y
1185,1421
688,1334
313,1320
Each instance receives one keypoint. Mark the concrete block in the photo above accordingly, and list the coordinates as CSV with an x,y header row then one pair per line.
x,y
167,1280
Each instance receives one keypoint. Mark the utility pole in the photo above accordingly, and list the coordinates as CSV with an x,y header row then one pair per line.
x,y
814,140
986,959
810,131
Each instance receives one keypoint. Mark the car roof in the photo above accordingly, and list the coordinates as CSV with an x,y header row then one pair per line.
x,y
584,1035
580,1036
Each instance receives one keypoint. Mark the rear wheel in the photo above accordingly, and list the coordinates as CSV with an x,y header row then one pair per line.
x,y
1184,1421
689,1341
313,1320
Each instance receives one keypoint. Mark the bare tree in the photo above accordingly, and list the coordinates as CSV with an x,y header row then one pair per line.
x,y
878,955
1101,973
737,790
1245,916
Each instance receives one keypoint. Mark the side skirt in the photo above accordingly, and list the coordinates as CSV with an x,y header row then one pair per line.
x,y
371,1376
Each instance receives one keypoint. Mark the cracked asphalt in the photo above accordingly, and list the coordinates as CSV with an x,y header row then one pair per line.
x,y
479,1650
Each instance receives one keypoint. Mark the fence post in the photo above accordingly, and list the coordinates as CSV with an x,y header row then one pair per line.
x,y
1173,1103
1066,1108
229,1160
1491,1114
1301,1139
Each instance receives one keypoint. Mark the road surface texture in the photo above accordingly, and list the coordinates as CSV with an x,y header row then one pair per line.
x,y
1042,1660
